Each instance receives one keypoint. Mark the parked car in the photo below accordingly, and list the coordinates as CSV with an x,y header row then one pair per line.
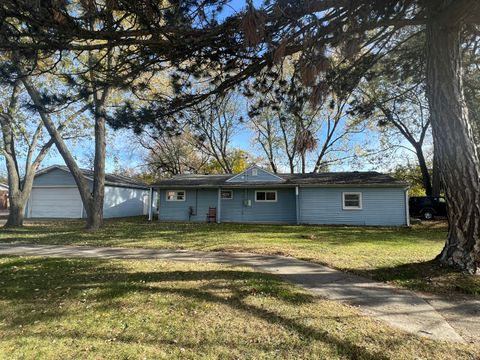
x,y
427,207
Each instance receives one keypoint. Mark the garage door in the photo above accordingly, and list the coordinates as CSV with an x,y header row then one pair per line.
x,y
55,203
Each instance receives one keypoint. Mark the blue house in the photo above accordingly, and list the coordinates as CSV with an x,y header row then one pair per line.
x,y
258,196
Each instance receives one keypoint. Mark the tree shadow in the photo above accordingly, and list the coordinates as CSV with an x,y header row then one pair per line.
x,y
426,276
33,283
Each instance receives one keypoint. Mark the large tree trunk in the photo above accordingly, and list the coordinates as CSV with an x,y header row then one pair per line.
x,y
453,139
95,218
16,213
436,176
427,184
62,148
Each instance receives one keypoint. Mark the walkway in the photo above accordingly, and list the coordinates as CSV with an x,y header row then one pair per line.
x,y
400,308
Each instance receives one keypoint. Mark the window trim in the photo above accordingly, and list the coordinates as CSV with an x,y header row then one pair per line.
x,y
265,191
176,195
360,196
231,196
254,172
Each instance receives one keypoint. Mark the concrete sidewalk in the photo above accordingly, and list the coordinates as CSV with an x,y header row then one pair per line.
x,y
400,308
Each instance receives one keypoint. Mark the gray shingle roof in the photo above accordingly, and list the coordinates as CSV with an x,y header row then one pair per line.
x,y
110,179
370,178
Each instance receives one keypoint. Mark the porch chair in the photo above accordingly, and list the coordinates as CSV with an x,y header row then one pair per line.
x,y
212,214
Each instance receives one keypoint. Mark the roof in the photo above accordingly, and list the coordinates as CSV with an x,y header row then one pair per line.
x,y
369,178
110,179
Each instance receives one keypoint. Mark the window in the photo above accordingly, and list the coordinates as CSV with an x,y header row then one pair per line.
x,y
176,195
265,196
226,194
254,172
352,201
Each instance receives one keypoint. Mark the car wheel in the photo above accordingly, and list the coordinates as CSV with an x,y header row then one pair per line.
x,y
428,215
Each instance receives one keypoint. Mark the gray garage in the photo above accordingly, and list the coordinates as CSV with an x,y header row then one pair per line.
x,y
55,195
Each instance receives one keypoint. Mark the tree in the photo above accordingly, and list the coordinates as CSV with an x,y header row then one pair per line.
x,y
24,140
413,176
12,129
213,124
96,101
197,42
310,130
400,110
471,65
170,155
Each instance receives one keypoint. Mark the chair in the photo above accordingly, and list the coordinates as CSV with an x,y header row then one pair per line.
x,y
212,215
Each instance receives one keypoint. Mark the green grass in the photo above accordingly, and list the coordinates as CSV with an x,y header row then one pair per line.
x,y
402,256
99,309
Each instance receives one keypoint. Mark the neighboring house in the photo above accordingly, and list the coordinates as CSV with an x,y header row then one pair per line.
x,y
258,196
4,203
55,195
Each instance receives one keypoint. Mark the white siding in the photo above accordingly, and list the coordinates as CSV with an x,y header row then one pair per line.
x,y
55,202
121,202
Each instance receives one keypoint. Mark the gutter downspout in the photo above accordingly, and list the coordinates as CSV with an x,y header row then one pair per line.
x,y
150,204
219,205
407,209
297,203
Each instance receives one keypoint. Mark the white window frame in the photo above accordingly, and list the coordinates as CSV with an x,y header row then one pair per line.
x,y
176,195
254,172
229,198
360,207
265,191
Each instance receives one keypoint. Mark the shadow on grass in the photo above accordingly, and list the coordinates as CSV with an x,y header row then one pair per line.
x,y
46,283
426,276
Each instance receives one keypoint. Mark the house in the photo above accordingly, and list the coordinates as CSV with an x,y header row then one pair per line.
x,y
258,196
55,195
4,202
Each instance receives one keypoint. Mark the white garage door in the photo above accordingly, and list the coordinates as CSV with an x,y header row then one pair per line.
x,y
56,202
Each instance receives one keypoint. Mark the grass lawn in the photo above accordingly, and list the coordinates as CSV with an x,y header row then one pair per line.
x,y
99,309
402,256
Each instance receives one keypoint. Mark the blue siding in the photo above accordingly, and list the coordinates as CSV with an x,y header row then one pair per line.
x,y
247,176
381,206
200,200
234,210
281,211
55,177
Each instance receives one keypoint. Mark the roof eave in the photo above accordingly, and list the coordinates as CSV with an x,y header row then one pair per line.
x,y
274,184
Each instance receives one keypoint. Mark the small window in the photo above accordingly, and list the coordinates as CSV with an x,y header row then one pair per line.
x,y
265,196
254,172
176,195
352,201
226,194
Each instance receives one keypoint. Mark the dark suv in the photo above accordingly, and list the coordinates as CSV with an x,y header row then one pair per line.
x,y
427,207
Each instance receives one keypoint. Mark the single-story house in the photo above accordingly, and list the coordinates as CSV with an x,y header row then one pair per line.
x,y
55,195
259,196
